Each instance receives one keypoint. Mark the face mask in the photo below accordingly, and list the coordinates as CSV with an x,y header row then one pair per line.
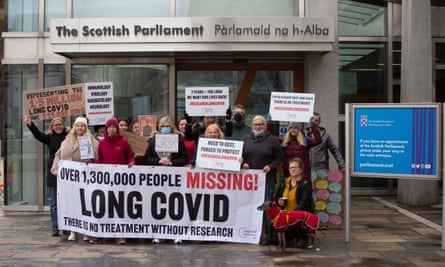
x,y
258,133
166,130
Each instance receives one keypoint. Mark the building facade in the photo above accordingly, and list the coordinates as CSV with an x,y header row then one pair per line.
x,y
343,51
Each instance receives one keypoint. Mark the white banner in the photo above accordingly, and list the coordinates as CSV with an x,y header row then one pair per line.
x,y
105,200
298,107
206,101
219,154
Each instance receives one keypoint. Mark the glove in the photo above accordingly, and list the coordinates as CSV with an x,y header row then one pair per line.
x,y
187,118
229,114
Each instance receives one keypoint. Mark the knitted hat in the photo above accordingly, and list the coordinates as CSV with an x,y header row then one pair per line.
x,y
81,120
292,124
112,121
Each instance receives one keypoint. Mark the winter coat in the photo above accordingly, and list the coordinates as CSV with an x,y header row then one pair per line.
x,y
53,142
319,154
69,150
294,149
177,159
262,150
115,150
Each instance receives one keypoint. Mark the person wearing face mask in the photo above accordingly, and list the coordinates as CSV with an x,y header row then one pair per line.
x,y
172,159
262,151
239,126
153,157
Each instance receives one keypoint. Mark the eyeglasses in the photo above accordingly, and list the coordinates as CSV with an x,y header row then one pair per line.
x,y
258,124
294,168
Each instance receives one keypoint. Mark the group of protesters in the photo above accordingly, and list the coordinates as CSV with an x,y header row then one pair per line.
x,y
293,154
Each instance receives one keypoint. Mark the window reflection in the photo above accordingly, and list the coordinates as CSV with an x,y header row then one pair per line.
x,y
230,8
118,8
138,89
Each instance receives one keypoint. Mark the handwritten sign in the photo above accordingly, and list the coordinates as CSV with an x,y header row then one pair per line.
x,y
296,107
219,154
62,101
167,143
99,102
206,101
85,147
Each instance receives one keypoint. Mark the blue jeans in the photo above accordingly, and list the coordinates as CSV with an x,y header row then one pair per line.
x,y
53,207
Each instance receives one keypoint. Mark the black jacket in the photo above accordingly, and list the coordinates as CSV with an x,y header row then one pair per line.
x,y
52,141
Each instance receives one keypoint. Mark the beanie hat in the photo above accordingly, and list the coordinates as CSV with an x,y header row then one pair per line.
x,y
292,124
112,121
81,120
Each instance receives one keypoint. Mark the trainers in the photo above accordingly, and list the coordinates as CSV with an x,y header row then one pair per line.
x,y
155,241
55,233
72,236
86,238
121,241
178,241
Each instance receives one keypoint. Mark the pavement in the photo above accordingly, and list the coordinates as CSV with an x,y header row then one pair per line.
x,y
383,233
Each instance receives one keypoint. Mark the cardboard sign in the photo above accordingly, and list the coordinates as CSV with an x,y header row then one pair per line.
x,y
62,101
297,107
137,143
206,101
168,143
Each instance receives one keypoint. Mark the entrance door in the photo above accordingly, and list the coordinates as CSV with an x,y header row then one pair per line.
x,y
249,84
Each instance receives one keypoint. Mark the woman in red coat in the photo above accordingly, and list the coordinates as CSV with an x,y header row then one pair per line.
x,y
296,145
114,149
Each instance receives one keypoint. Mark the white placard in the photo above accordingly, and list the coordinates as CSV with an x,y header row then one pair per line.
x,y
160,202
297,107
99,102
219,154
167,143
85,147
206,101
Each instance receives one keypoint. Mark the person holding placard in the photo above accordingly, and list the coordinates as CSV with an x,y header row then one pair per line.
x,y
55,136
262,151
166,148
296,144
212,131
114,149
79,145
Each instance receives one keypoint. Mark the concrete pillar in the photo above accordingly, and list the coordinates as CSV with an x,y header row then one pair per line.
x,y
416,86
321,73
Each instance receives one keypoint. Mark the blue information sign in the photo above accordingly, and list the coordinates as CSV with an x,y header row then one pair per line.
x,y
395,140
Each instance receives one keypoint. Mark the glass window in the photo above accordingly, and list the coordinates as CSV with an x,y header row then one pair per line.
x,y
137,89
23,16
118,8
231,8
54,76
20,145
362,75
258,96
440,53
54,9
362,18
